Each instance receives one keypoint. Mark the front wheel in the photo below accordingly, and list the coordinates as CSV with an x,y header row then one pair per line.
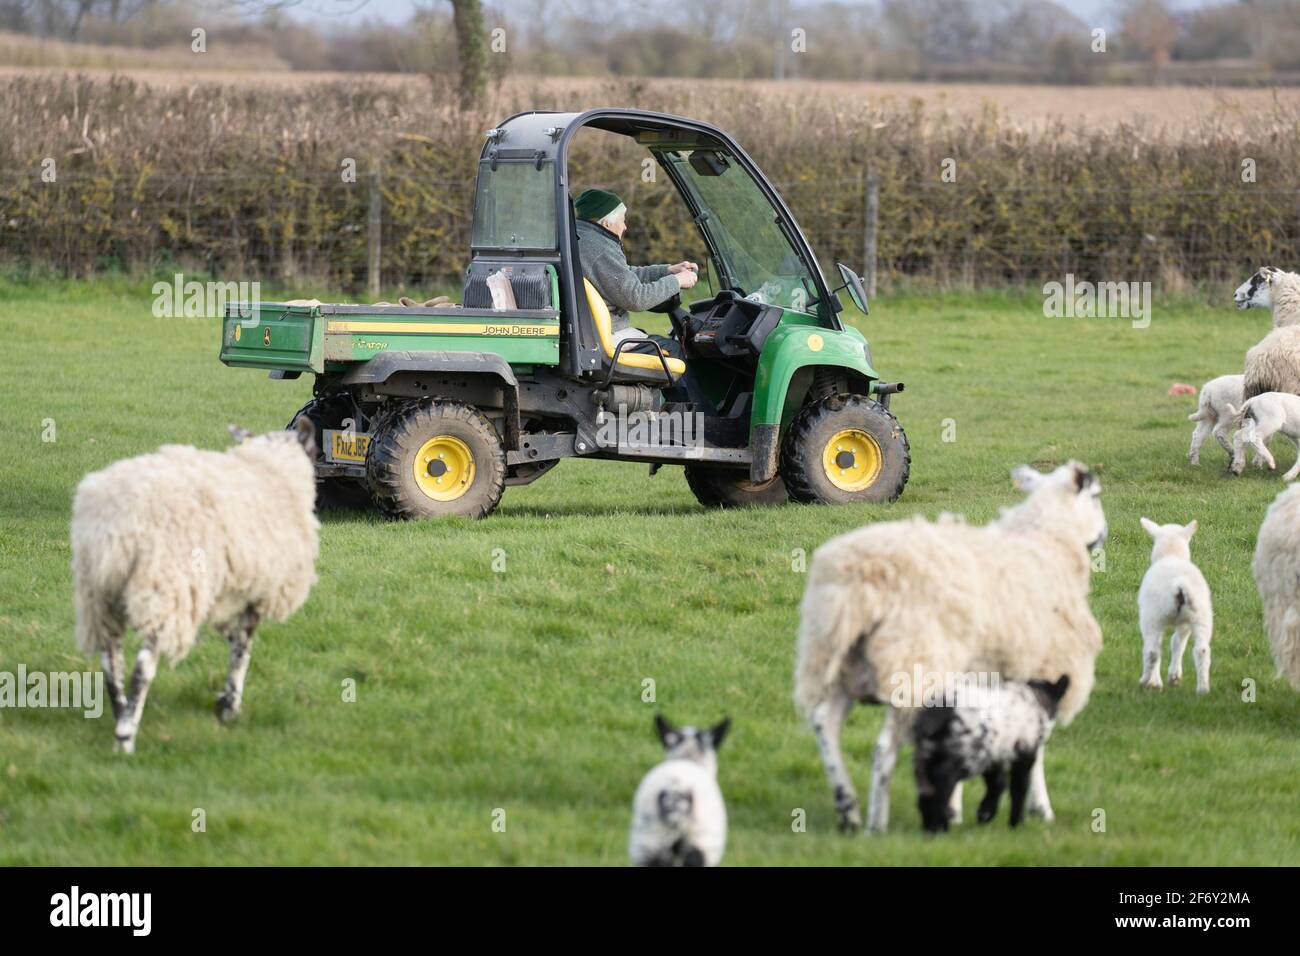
x,y
845,448
432,458
726,488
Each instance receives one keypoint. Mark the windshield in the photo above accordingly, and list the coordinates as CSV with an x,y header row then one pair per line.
x,y
741,223
514,207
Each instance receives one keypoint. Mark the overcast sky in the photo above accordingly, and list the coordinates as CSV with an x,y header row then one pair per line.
x,y
325,12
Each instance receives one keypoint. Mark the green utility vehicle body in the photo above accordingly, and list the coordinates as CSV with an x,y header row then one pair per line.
x,y
546,375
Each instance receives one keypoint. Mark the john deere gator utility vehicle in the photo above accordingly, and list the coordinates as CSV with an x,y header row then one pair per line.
x,y
434,411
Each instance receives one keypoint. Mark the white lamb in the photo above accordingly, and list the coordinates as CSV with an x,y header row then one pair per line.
x,y
678,815
1274,364
1212,416
1174,597
1259,419
904,598
1277,575
163,542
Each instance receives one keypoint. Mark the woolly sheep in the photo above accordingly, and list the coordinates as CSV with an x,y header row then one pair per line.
x,y
678,815
914,597
1273,365
165,541
1174,598
1277,575
1212,416
987,731
1260,419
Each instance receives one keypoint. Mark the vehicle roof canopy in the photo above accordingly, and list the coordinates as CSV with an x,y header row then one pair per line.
x,y
546,134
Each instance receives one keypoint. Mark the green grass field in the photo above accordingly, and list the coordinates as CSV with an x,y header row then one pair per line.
x,y
522,690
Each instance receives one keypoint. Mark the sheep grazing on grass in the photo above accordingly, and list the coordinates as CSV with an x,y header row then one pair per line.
x,y
900,598
163,542
991,732
1274,364
1212,415
1174,598
1259,419
678,816
1277,575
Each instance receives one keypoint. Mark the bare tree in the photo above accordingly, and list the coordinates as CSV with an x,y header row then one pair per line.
x,y
471,48
1148,27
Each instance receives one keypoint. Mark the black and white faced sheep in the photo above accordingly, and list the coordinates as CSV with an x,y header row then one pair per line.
x,y
1273,365
900,602
166,541
993,732
678,815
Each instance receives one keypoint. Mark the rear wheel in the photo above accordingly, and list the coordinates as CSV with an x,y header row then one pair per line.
x,y
432,458
845,448
726,488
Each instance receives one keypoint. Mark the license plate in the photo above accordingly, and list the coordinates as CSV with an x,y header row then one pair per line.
x,y
346,446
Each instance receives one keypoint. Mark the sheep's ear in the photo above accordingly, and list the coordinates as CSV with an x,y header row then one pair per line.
x,y
718,732
668,734
1025,479
1189,529
1150,527
239,434
305,432
1269,273
1083,476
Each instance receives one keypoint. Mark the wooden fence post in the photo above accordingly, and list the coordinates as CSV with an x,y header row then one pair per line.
x,y
871,217
374,224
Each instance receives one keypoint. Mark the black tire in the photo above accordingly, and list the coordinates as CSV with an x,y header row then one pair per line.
x,y
476,472
728,488
333,493
807,444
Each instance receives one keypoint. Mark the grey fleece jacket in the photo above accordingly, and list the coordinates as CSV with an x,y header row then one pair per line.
x,y
624,288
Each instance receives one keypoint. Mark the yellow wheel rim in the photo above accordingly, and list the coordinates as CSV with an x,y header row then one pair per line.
x,y
444,468
852,460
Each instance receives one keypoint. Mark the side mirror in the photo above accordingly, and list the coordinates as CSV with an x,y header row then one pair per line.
x,y
853,283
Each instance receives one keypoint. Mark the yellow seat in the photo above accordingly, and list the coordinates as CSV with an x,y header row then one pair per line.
x,y
604,329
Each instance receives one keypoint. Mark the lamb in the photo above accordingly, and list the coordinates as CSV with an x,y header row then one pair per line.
x,y
987,731
678,815
1277,575
940,598
165,541
1212,416
1260,418
1174,597
1273,365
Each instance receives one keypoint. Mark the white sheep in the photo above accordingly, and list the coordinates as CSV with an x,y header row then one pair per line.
x,y
989,732
678,815
165,541
1259,419
1212,416
1175,598
904,598
1277,575
1273,365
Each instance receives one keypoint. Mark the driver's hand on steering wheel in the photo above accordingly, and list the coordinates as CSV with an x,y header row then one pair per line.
x,y
682,267
686,278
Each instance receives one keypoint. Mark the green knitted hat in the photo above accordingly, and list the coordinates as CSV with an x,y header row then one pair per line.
x,y
595,204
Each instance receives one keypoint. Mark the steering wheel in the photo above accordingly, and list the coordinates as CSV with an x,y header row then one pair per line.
x,y
672,307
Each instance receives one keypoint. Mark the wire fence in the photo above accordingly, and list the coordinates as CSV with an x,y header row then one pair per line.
x,y
404,229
